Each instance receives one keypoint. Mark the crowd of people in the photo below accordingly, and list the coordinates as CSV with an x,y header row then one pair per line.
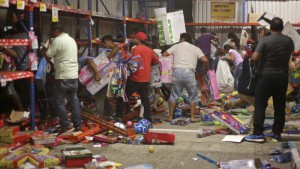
x,y
259,74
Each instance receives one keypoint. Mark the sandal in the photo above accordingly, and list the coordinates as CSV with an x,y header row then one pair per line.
x,y
166,119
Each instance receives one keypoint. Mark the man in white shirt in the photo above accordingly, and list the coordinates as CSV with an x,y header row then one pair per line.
x,y
63,49
186,56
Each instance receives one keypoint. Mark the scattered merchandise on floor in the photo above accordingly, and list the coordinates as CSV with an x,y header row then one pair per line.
x,y
135,101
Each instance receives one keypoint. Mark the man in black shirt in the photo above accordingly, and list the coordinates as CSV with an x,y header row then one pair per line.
x,y
272,54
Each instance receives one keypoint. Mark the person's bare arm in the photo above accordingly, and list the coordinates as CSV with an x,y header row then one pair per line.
x,y
166,53
113,52
230,58
93,66
205,62
256,57
9,52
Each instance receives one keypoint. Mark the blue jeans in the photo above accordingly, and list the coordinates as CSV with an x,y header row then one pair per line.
x,y
236,74
184,78
63,88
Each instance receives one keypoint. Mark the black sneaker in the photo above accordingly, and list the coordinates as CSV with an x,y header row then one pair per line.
x,y
66,129
77,129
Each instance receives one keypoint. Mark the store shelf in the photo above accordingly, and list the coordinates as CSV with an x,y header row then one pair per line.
x,y
16,75
229,24
14,42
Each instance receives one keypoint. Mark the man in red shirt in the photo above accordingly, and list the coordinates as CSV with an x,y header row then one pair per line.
x,y
140,80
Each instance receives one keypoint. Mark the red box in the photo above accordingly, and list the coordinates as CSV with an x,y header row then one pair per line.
x,y
105,139
19,138
8,131
44,161
76,156
77,162
159,138
1,123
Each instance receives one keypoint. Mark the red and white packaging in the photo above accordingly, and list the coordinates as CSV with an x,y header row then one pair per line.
x,y
159,138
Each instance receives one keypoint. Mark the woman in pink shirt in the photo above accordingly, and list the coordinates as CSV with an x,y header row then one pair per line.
x,y
237,60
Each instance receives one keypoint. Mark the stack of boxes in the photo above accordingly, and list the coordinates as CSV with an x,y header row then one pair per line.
x,y
11,135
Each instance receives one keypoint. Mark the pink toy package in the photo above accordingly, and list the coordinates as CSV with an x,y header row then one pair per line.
x,y
95,86
214,84
167,64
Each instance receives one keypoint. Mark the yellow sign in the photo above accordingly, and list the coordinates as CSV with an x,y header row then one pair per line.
x,y
54,14
222,11
20,4
43,7
4,3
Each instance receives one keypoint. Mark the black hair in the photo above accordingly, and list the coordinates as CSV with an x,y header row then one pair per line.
x,y
235,39
107,38
57,26
276,24
227,47
186,37
203,30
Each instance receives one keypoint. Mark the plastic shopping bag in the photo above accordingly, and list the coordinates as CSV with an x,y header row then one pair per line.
x,y
224,77
40,76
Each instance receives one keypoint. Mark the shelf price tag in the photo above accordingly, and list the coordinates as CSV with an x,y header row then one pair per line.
x,y
43,7
4,3
54,14
20,4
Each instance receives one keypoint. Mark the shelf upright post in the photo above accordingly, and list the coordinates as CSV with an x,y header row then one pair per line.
x,y
124,20
97,27
90,28
31,86
146,16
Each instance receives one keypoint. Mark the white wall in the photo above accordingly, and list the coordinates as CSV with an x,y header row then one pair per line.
x,y
288,10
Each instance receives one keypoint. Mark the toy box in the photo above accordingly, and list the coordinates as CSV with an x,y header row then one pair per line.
x,y
167,64
44,139
230,122
159,138
76,156
155,76
94,86
3,152
43,161
13,161
9,131
18,138
105,139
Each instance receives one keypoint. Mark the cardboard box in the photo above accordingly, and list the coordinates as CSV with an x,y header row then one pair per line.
x,y
44,139
9,131
13,161
105,139
159,138
3,152
43,161
18,138
253,17
76,156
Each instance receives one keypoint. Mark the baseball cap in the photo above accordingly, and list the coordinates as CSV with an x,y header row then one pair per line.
x,y
141,36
